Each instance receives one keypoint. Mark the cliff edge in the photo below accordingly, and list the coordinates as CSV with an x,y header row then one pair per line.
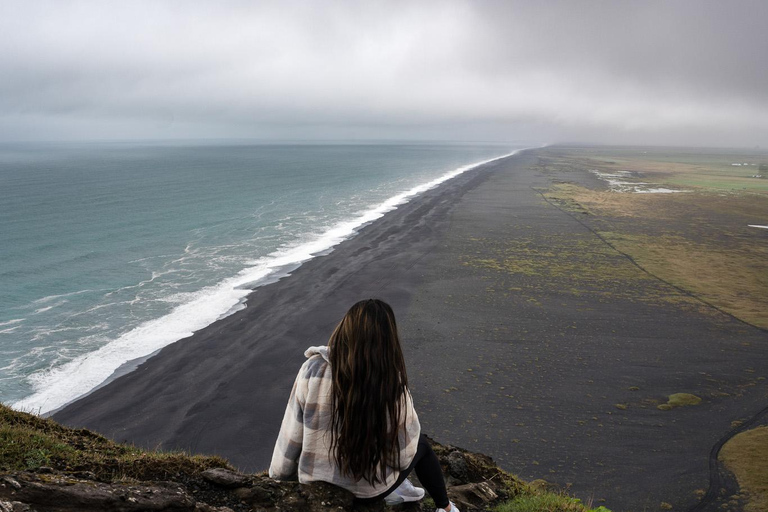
x,y
47,467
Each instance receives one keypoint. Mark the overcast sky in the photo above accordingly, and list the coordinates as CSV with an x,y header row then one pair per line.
x,y
673,72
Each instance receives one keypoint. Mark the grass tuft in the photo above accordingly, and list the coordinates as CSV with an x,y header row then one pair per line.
x,y
546,502
28,442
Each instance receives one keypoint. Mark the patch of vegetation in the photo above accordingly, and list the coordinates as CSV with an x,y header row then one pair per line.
x,y
679,400
549,502
571,263
730,278
700,243
699,169
28,442
746,455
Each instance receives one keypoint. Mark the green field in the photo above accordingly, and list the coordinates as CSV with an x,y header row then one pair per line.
x,y
687,168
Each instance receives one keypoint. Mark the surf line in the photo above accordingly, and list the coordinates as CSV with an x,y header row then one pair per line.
x,y
59,386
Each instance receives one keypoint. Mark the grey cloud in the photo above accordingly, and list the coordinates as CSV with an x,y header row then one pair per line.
x,y
684,72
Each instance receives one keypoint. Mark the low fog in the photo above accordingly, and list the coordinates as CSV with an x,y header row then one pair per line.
x,y
685,72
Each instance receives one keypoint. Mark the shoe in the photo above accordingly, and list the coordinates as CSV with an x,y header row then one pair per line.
x,y
454,508
409,492
393,499
405,492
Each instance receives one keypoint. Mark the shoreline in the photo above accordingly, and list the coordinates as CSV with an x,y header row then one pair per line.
x,y
87,373
526,338
372,250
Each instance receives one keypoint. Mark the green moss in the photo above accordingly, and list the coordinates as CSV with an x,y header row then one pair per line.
x,y
428,504
549,502
575,264
679,400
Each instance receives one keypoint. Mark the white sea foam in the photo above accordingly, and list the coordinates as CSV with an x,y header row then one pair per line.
x,y
60,385
47,308
49,298
40,333
12,321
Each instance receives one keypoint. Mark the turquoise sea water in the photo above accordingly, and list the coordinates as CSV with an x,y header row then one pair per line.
x,y
110,251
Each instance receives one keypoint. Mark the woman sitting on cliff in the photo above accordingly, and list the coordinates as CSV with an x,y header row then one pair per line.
x,y
350,419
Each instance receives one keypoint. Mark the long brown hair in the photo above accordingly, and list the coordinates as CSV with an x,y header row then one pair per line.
x,y
368,392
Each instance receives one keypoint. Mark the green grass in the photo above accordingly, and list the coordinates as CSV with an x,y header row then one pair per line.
x,y
28,442
722,182
746,455
701,169
546,502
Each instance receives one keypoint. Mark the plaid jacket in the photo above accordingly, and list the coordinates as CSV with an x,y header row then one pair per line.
x,y
302,445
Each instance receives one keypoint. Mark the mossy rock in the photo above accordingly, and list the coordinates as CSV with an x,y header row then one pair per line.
x,y
679,400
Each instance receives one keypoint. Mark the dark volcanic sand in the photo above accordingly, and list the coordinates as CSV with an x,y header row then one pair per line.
x,y
522,333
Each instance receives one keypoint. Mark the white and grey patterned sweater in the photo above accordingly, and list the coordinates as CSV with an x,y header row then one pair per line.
x,y
302,445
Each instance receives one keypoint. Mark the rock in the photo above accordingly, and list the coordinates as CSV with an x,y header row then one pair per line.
x,y
475,483
452,481
226,478
292,496
457,466
204,507
10,481
327,496
265,492
294,502
59,493
13,506
85,475
473,496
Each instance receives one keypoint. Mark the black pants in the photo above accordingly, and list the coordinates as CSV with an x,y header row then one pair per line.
x,y
429,472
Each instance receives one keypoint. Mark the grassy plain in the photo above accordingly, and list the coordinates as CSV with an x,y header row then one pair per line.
x,y
699,169
746,455
698,240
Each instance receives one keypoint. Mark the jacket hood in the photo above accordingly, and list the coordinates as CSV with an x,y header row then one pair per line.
x,y
313,351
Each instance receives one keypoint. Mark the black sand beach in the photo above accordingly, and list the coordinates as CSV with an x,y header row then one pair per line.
x,y
527,338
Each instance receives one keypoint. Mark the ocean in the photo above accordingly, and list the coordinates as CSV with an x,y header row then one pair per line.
x,y
111,251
